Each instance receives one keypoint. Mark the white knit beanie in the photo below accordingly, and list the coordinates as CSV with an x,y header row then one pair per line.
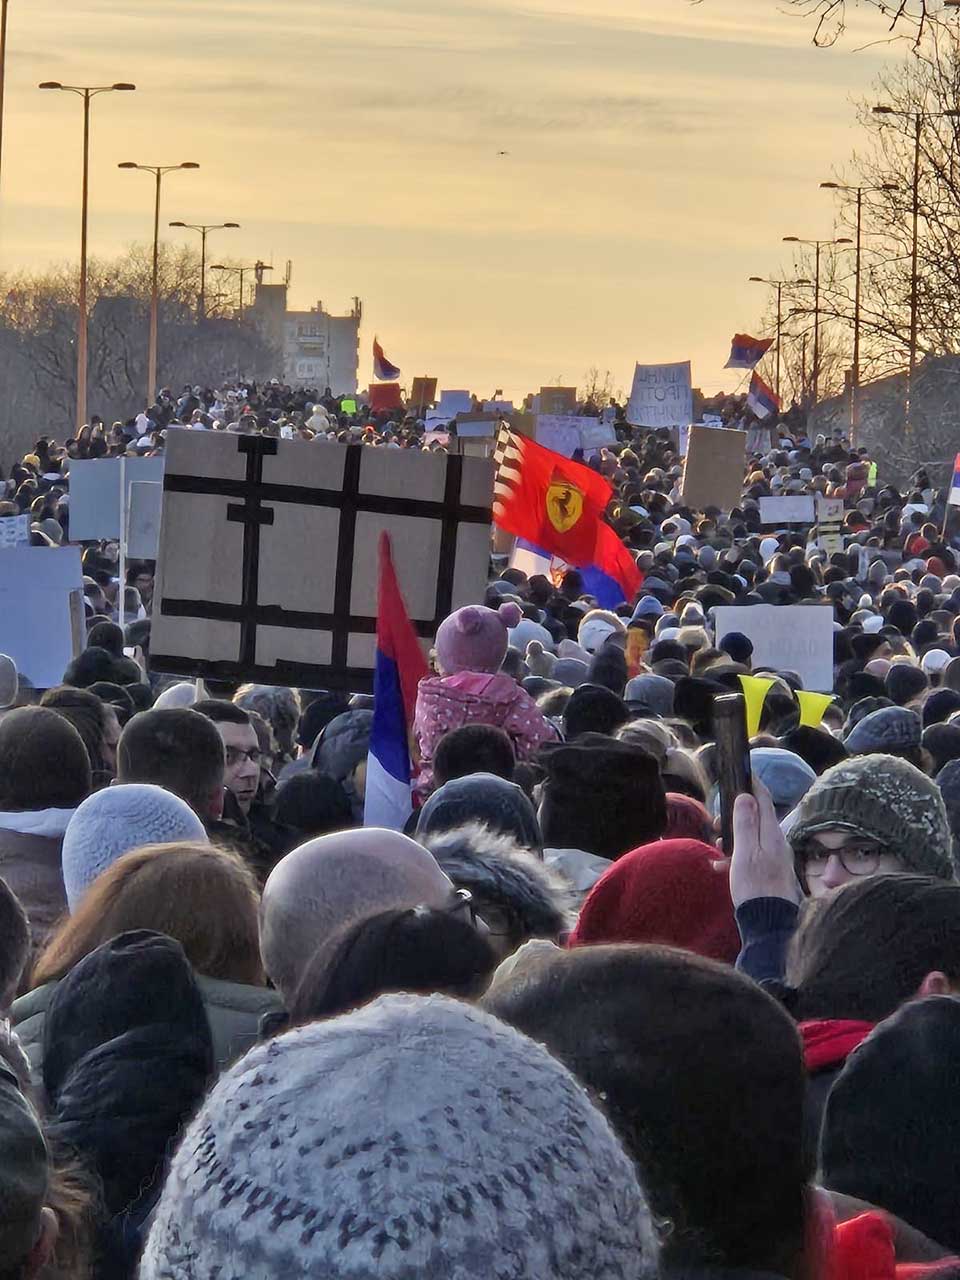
x,y
112,822
9,681
416,1137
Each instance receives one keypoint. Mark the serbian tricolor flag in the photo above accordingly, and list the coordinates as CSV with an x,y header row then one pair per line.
x,y
747,352
382,368
761,399
400,666
954,498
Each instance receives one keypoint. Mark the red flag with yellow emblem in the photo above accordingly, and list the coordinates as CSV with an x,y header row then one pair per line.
x,y
547,499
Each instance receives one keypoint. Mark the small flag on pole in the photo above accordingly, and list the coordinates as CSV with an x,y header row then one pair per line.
x,y
761,399
383,370
400,666
747,352
954,499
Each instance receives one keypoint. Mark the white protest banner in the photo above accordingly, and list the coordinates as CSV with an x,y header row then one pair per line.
x,y
559,433
453,402
794,637
477,426
662,395
41,611
498,406
792,510
595,435
829,524
14,531
95,494
268,554
143,519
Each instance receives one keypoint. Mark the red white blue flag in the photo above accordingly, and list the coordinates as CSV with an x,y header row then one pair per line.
x,y
747,352
954,499
400,666
761,399
383,370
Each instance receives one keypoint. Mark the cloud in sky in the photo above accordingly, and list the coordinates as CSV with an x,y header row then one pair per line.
x,y
659,150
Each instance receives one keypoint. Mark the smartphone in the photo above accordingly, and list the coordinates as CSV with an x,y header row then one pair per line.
x,y
733,759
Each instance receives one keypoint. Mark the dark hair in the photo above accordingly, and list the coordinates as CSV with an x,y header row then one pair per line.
x,y
419,950
93,665
176,749
701,1074
221,712
473,748
862,951
43,762
84,711
312,804
14,944
106,635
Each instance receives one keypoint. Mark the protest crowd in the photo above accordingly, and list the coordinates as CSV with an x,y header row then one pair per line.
x,y
548,1027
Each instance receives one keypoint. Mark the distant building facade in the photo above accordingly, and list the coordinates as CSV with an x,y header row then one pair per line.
x,y
318,349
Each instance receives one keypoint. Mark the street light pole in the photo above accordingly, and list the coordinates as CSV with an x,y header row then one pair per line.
x,y
204,228
779,286
3,68
158,170
818,246
241,272
87,93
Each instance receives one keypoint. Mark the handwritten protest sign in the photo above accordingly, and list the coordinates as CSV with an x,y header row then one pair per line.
x,y
14,531
713,469
791,510
95,494
561,434
662,395
595,434
143,519
785,638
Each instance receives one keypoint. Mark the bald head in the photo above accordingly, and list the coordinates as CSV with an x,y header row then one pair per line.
x,y
334,881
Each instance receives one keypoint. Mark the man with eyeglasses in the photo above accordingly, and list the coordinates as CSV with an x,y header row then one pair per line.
x,y
241,747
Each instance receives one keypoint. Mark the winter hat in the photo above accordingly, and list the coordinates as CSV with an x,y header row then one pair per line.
x,y
819,748
939,705
647,607
687,819
738,646
934,661
570,649
593,709
653,693
571,672
115,820
942,741
891,1131
525,633
887,800
597,627
299,1162
889,730
474,638
182,694
601,796
25,1171
43,762
786,776
948,780
539,661
501,806
9,682
609,669
673,892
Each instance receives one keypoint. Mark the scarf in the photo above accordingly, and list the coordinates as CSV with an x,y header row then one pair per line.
x,y
37,822
828,1042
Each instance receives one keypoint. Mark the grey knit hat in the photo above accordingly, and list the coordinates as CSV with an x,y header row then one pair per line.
x,y
887,729
416,1137
886,799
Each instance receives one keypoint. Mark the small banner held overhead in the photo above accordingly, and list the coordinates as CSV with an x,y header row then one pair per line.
x,y
422,394
268,554
558,400
662,396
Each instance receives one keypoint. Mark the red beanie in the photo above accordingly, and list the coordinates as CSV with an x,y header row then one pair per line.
x,y
674,892
687,819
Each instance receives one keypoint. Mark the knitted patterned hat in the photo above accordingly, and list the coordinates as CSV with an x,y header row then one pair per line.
x,y
885,799
416,1137
112,822
475,638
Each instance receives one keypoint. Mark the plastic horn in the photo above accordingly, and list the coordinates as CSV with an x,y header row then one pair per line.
x,y
813,707
755,690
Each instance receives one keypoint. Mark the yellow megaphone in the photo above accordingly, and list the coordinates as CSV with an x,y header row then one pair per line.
x,y
813,707
755,690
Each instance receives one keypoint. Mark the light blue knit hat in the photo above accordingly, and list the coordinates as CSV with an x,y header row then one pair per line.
x,y
112,822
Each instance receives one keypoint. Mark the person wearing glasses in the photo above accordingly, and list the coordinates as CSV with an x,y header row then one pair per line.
x,y
241,750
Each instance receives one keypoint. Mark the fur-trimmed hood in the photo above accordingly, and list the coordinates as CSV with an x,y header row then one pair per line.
x,y
495,867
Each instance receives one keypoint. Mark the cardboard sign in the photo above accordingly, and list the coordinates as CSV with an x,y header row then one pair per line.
x,y
268,554
662,395
14,531
41,611
143,520
829,524
555,401
95,494
454,402
560,434
348,407
713,470
792,510
423,393
795,637
385,397
595,435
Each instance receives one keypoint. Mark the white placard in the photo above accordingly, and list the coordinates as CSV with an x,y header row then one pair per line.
x,y
14,531
498,406
95,494
41,611
829,510
453,402
595,435
793,510
785,638
560,434
143,519
662,395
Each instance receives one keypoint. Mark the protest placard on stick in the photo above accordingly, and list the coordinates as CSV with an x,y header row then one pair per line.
x,y
785,638
713,468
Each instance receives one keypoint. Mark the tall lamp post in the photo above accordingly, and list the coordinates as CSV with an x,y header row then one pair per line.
x,y
158,170
855,373
918,117
3,67
779,286
204,228
241,272
87,93
818,246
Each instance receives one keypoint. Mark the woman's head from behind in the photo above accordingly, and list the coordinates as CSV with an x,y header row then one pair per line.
x,y
203,897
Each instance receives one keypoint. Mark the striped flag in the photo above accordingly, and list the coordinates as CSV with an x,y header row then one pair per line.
x,y
954,499
400,666
383,370
761,399
747,352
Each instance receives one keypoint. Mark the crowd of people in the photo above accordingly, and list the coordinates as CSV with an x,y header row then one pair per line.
x,y
552,1030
